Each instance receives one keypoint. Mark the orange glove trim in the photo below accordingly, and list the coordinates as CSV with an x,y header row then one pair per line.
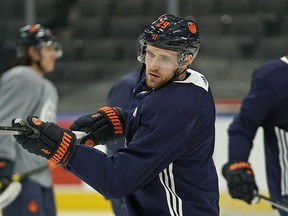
x,y
62,149
239,165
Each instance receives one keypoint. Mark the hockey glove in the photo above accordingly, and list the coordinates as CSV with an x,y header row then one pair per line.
x,y
106,125
6,171
240,180
48,140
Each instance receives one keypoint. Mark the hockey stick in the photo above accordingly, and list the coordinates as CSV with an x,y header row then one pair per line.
x,y
276,204
15,130
10,194
28,131
15,187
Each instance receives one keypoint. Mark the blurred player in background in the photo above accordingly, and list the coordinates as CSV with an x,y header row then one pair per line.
x,y
167,167
120,95
266,106
24,91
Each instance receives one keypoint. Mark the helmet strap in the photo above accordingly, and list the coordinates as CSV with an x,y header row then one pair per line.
x,y
177,72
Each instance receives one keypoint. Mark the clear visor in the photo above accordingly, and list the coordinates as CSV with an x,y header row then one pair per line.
x,y
154,56
56,45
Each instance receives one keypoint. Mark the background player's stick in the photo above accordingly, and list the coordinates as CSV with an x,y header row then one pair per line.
x,y
28,131
277,205
15,187
10,194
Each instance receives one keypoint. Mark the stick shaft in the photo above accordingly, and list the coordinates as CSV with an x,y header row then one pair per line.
x,y
20,176
25,130
278,205
13,130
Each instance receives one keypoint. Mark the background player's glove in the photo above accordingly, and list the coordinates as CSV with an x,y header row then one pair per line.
x,y
240,180
6,171
106,125
49,140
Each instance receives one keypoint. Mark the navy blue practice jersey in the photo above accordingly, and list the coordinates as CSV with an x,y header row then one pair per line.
x,y
167,167
266,105
121,92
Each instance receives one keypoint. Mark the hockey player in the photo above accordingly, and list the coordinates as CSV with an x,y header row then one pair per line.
x,y
24,91
167,167
265,106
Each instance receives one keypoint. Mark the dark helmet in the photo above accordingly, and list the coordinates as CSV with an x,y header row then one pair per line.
x,y
35,35
173,33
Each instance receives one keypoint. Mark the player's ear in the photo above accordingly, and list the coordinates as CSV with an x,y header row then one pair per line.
x,y
33,53
187,61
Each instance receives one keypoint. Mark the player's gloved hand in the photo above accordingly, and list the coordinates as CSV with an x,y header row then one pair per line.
x,y
6,171
240,180
106,125
48,140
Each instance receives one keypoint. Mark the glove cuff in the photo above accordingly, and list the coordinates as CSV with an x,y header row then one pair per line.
x,y
115,119
64,149
234,166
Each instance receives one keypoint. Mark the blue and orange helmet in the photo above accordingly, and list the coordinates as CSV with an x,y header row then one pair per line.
x,y
172,33
35,35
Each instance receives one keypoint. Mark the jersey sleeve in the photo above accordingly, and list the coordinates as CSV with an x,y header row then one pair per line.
x,y
120,94
254,110
155,145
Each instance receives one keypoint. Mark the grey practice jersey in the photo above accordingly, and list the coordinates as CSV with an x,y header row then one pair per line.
x,y
23,92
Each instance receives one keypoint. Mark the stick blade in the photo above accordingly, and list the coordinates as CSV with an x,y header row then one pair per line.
x,y
10,194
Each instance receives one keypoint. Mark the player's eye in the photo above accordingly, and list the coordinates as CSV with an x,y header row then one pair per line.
x,y
150,54
164,58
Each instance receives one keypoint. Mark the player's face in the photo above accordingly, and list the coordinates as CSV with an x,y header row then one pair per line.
x,y
48,58
161,65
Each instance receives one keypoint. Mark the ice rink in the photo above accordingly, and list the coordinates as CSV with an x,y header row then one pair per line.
x,y
228,207
105,213
109,213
